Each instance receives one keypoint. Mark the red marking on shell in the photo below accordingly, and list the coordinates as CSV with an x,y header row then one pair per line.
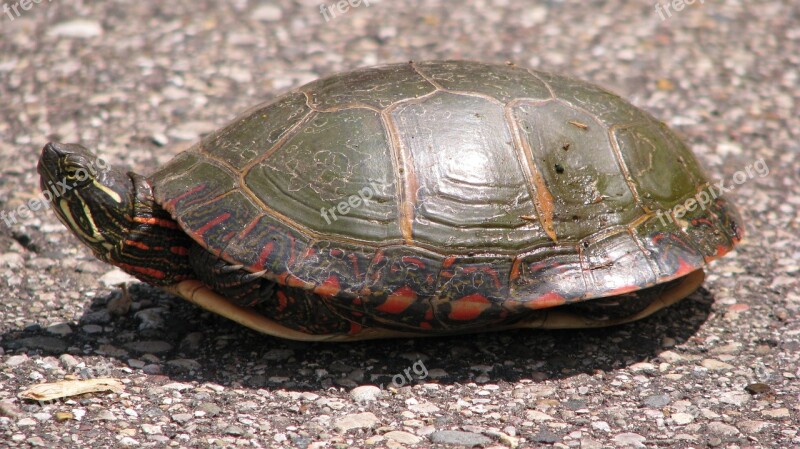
x,y
335,252
515,270
283,301
398,301
183,195
329,287
215,221
684,268
424,325
549,299
136,244
449,261
262,256
429,314
179,250
413,260
469,307
354,329
354,260
151,272
163,222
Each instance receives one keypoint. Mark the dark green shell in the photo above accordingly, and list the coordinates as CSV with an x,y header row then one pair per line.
x,y
455,194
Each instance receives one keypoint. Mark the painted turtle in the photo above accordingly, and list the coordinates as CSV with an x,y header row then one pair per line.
x,y
414,199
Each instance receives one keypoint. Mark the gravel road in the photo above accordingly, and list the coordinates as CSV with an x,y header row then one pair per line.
x,y
139,81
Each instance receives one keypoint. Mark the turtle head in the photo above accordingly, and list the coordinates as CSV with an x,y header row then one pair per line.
x,y
113,213
87,195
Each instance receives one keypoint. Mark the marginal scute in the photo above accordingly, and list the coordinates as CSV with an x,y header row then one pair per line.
x,y
615,264
550,274
667,247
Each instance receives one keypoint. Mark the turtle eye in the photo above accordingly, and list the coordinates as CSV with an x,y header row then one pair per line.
x,y
75,174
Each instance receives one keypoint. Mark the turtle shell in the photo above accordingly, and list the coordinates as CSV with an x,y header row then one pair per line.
x,y
449,194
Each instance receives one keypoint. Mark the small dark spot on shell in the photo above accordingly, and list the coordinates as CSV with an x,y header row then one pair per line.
x,y
585,244
559,169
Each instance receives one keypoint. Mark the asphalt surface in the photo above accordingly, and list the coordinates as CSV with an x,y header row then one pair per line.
x,y
139,81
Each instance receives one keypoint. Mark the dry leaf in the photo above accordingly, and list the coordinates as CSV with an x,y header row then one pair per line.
x,y
68,388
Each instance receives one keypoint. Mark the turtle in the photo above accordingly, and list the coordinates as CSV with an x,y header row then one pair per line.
x,y
413,199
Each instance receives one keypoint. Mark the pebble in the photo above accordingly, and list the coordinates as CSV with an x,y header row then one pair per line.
x,y
657,400
364,420
458,437
630,439
776,413
716,365
402,437
128,441
26,422
720,428
181,418
734,397
151,429
78,28
116,277
17,360
682,419
61,329
753,426
234,430
601,425
365,393
68,362
210,408
267,13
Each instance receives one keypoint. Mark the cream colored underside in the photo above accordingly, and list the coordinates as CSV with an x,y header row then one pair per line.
x,y
197,293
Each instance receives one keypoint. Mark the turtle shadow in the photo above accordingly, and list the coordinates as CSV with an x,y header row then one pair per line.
x,y
164,335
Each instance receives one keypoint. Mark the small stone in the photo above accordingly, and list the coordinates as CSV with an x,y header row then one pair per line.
x,y
78,28
630,439
458,437
68,362
365,393
128,441
267,13
35,441
535,415
9,409
734,397
682,419
150,318
210,408
16,360
105,415
657,400
715,365
356,421
278,354
150,429
178,386
757,388
601,425
402,437
26,422
753,426
776,413
61,329
234,430
116,277
181,418
720,428
546,436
